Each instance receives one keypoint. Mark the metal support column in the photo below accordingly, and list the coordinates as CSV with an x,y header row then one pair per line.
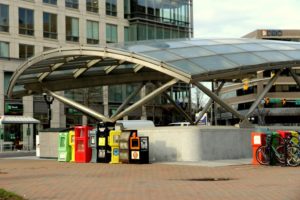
x,y
218,100
208,104
262,94
295,77
128,99
79,107
144,100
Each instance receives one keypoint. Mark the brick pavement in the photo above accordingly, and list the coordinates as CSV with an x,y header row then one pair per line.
x,y
49,179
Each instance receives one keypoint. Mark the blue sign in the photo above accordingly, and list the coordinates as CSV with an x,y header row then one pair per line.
x,y
116,152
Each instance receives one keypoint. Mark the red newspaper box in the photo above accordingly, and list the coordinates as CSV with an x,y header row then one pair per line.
x,y
83,152
284,134
257,139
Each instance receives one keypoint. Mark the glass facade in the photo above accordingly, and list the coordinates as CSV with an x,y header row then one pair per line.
x,y
111,7
152,19
92,5
111,33
4,18
26,21
175,12
26,51
72,29
92,32
4,49
50,25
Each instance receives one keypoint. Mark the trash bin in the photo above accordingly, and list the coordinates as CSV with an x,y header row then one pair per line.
x,y
72,145
113,142
83,152
93,134
64,153
257,139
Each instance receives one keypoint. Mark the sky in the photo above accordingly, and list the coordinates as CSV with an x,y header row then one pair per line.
x,y
236,18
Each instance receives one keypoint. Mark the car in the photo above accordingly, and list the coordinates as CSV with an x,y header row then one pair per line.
x,y
180,124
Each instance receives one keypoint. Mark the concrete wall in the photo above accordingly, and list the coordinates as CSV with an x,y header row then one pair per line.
x,y
197,143
169,144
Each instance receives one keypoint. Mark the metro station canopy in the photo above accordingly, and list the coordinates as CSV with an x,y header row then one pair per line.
x,y
162,62
188,60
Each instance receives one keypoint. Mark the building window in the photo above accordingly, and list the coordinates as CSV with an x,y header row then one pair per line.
x,y
92,32
126,34
92,5
54,2
26,51
7,76
111,33
26,21
126,9
72,4
50,25
4,18
111,7
72,29
4,49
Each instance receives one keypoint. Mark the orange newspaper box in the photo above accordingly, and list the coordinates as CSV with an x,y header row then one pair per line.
x,y
257,139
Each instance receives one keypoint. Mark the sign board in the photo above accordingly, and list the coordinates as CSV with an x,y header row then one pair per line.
x,y
135,155
13,108
257,139
72,111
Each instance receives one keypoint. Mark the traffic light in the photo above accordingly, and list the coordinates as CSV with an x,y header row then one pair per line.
x,y
246,84
283,101
267,100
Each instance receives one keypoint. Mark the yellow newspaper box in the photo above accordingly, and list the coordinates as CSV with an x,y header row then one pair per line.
x,y
113,142
72,144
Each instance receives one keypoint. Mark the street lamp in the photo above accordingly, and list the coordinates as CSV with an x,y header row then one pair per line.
x,y
49,100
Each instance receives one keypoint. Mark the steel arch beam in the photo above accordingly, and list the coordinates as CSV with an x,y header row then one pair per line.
x,y
208,104
263,94
100,53
80,107
218,100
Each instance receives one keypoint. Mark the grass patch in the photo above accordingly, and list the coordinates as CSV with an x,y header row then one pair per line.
x,y
5,195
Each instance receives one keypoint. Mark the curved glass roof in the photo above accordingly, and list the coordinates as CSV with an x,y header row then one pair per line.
x,y
188,60
198,56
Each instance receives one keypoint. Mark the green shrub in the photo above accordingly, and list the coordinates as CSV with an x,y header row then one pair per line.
x,y
5,195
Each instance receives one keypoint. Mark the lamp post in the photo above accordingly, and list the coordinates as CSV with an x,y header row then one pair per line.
x,y
49,100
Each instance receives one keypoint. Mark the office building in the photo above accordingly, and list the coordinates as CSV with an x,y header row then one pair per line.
x,y
30,27
281,105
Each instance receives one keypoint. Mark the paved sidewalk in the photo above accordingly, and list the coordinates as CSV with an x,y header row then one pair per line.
x,y
49,179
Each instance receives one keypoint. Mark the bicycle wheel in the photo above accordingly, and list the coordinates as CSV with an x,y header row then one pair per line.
x,y
293,156
263,155
280,154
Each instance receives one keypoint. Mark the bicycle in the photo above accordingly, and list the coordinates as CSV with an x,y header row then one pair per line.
x,y
285,153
